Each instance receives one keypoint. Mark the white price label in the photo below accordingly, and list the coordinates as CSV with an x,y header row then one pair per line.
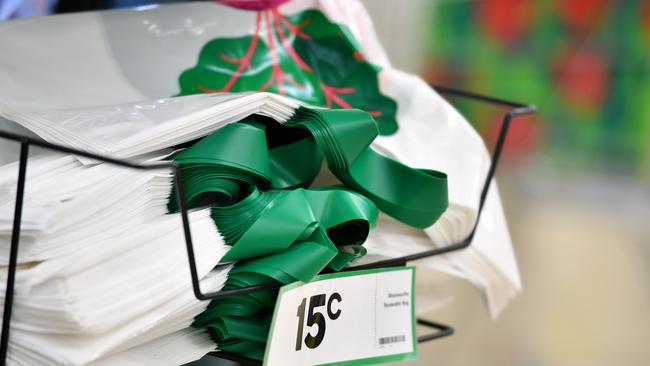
x,y
359,317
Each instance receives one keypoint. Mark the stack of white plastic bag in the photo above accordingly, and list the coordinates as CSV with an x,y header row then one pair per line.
x,y
106,88
102,268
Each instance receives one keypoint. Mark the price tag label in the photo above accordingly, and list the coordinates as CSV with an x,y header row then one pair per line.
x,y
363,316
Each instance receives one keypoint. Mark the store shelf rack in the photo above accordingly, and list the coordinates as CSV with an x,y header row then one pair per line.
x,y
514,110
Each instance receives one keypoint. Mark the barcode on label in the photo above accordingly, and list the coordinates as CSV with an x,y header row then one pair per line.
x,y
392,339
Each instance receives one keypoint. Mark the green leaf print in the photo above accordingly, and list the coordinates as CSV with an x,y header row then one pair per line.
x,y
303,56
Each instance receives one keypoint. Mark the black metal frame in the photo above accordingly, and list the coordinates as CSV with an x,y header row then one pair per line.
x,y
517,109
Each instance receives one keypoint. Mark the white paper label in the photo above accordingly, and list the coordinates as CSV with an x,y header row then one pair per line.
x,y
366,316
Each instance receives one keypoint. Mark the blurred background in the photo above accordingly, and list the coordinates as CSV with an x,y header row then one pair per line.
x,y
575,179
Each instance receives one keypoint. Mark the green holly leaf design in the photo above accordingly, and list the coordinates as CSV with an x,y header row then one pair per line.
x,y
304,56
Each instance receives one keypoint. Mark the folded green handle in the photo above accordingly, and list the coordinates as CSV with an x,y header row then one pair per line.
x,y
288,242
255,173
415,197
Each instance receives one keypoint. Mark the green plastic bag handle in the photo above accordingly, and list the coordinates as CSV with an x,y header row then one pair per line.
x,y
416,197
255,174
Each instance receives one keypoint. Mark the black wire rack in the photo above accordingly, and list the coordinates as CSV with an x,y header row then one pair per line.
x,y
515,109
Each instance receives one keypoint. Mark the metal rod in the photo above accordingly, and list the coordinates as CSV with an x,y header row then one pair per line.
x,y
182,205
476,96
496,155
399,261
13,252
242,291
69,150
443,330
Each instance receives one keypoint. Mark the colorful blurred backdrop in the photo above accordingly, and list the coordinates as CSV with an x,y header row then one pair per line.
x,y
575,181
584,63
